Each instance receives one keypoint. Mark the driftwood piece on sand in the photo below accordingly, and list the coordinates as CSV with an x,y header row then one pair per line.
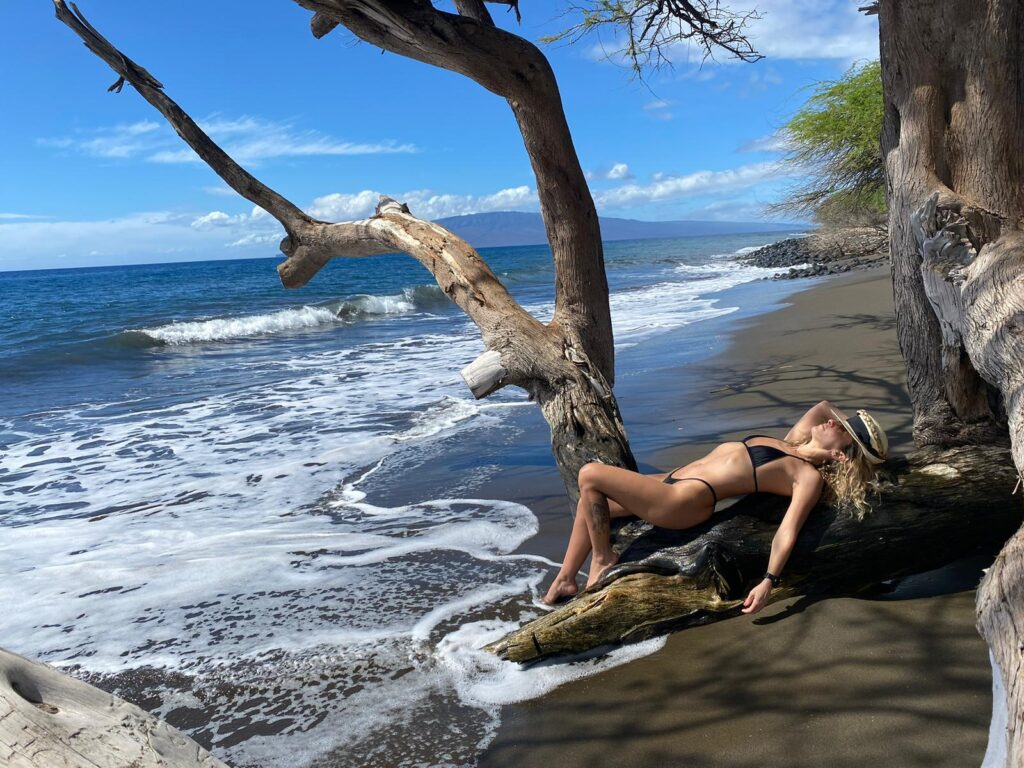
x,y
51,720
934,508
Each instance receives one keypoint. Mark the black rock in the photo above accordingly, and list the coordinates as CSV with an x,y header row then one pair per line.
x,y
827,252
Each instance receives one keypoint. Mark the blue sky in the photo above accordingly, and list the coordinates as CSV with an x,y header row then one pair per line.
x,y
93,178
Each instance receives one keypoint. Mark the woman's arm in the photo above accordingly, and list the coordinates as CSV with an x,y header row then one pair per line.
x,y
806,492
817,414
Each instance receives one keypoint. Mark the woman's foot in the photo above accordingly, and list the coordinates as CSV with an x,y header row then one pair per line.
x,y
561,588
598,568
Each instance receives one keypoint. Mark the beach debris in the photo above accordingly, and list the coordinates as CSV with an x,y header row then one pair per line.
x,y
49,719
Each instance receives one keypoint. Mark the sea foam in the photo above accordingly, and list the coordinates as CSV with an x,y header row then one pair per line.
x,y
294,318
218,329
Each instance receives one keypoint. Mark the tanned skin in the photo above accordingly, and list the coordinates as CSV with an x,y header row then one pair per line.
x,y
607,492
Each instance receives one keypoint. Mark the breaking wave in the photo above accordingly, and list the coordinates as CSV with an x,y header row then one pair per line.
x,y
351,309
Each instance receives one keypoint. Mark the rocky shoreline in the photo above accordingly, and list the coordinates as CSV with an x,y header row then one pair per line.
x,y
827,252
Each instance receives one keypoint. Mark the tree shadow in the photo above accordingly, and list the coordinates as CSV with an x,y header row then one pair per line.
x,y
851,683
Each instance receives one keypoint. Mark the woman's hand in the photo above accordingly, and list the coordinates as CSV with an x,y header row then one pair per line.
x,y
758,597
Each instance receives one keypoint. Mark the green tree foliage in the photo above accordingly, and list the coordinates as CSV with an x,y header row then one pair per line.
x,y
836,137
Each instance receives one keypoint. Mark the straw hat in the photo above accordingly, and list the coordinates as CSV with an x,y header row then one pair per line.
x,y
868,434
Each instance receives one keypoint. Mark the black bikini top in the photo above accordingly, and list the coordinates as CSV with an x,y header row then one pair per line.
x,y
764,454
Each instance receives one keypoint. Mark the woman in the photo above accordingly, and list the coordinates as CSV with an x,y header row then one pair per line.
x,y
824,450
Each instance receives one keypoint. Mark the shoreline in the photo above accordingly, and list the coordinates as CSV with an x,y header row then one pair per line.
x,y
898,680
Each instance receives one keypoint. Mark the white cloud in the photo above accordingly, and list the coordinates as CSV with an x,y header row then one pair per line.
x,y
619,171
659,109
729,210
219,219
339,206
424,203
222,190
152,236
118,141
163,236
211,220
815,29
247,139
255,239
663,188
773,142
20,216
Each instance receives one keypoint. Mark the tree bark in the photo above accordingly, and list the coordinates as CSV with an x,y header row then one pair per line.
x,y
940,112
670,580
565,365
954,145
516,70
51,720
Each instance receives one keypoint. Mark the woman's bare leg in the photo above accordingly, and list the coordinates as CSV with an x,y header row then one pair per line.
x,y
607,492
593,507
576,553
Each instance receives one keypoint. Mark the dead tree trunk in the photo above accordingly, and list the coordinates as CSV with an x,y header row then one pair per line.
x,y
566,365
953,141
938,507
51,720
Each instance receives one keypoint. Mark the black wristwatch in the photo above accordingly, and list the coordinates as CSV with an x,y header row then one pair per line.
x,y
775,580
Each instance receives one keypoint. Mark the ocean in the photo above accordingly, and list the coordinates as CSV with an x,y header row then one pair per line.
x,y
256,512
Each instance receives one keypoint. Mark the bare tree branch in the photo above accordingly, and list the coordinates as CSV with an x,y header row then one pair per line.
x,y
513,5
151,90
567,365
321,25
310,243
474,9
653,27
515,69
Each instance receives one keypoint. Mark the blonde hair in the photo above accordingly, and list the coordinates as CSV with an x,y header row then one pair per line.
x,y
847,483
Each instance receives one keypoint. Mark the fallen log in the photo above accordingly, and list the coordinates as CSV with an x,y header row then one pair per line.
x,y
51,720
934,507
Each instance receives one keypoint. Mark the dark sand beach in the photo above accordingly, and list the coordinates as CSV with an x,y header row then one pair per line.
x,y
900,680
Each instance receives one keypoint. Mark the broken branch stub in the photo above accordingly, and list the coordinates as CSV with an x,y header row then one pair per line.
x,y
483,376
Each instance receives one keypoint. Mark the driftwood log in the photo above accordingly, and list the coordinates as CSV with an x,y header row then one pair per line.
x,y
51,720
935,507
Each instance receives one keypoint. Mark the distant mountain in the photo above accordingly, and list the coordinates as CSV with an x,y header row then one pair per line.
x,y
483,230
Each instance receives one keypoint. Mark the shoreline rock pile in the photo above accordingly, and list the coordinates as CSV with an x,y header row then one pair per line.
x,y
826,252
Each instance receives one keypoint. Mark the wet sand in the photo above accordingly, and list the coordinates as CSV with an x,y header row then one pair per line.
x,y
897,681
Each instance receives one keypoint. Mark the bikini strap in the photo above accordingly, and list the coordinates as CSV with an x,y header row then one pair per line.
x,y
669,480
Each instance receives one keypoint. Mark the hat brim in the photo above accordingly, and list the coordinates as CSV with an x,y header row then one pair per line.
x,y
867,452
